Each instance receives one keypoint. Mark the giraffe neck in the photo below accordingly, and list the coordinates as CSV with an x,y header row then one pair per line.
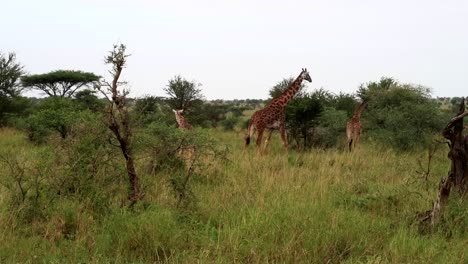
x,y
181,120
288,94
357,113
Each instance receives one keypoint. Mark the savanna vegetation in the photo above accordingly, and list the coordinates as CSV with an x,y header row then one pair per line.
x,y
90,175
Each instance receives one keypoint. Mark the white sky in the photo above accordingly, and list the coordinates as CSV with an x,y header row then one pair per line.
x,y
239,49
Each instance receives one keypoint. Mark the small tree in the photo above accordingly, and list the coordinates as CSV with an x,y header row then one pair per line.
x,y
118,118
10,72
182,93
63,83
52,114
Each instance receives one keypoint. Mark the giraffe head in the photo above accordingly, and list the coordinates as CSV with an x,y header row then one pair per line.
x,y
178,111
305,75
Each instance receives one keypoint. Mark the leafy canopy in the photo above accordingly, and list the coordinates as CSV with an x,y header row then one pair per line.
x,y
10,72
183,94
403,116
62,83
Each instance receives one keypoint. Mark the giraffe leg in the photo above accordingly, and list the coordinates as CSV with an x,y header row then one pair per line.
x,y
250,132
259,139
267,140
351,141
349,135
356,140
358,136
283,137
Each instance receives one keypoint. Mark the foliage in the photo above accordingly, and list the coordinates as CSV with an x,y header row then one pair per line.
x,y
183,94
365,91
88,100
230,122
13,110
331,128
53,114
152,109
402,116
345,102
10,72
62,83
179,156
208,114
307,123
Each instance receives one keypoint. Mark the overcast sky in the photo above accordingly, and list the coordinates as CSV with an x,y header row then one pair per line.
x,y
239,49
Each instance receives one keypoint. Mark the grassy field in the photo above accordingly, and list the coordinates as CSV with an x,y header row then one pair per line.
x,y
323,206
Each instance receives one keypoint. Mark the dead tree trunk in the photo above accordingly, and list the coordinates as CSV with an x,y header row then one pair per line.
x,y
118,119
458,174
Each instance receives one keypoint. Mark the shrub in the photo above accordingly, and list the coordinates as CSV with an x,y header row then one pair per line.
x,y
230,122
402,116
180,157
52,115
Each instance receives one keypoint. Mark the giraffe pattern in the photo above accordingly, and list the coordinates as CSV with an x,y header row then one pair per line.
x,y
183,124
272,116
354,127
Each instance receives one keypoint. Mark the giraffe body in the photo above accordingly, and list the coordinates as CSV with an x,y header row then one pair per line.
x,y
272,116
354,127
188,152
183,124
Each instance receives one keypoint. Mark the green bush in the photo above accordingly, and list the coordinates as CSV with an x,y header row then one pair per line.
x,y
179,157
318,119
53,115
24,175
152,109
230,122
331,128
402,116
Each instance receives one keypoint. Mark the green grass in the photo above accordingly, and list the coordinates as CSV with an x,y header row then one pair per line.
x,y
323,206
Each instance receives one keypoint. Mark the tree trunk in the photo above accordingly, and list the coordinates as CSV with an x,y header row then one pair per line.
x,y
119,121
134,194
457,176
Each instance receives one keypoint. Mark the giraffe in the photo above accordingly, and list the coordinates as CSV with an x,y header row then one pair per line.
x,y
354,126
188,152
183,124
272,116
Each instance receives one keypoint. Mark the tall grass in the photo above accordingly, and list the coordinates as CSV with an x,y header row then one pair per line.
x,y
323,206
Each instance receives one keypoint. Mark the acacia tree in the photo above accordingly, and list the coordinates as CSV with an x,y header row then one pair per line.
x,y
183,94
118,117
62,83
10,72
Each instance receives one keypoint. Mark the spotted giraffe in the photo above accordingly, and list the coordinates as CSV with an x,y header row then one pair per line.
x,y
186,152
354,127
183,124
272,116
